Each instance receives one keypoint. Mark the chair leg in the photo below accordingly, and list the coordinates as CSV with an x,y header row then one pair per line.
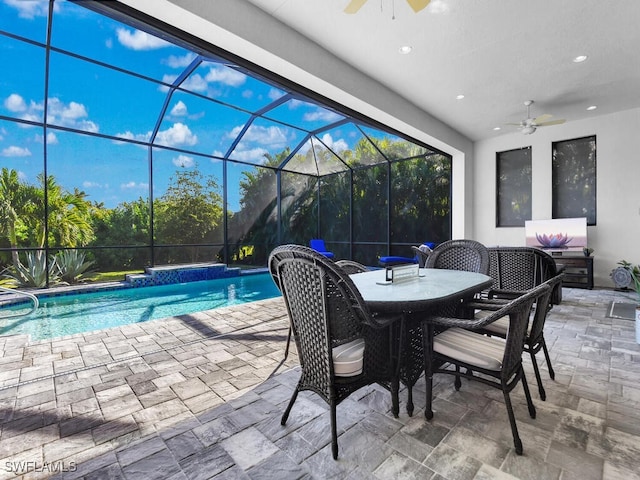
x,y
517,443
527,394
427,348
334,431
285,415
457,383
552,374
428,412
286,350
410,405
536,370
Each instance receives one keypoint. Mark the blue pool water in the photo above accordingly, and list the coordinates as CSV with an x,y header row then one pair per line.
x,y
83,312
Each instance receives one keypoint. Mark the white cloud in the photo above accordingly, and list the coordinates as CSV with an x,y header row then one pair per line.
x,y
52,139
134,186
14,151
180,62
139,40
141,137
30,8
253,155
226,76
88,184
71,115
335,145
271,136
179,109
183,161
275,94
321,115
15,103
178,134
195,83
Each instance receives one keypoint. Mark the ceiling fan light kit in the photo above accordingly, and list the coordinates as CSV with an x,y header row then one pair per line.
x,y
355,5
530,125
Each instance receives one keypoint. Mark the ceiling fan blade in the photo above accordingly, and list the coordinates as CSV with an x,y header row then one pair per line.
x,y
519,124
552,122
542,118
354,6
418,5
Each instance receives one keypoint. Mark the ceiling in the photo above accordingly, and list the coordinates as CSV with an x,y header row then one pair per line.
x,y
497,53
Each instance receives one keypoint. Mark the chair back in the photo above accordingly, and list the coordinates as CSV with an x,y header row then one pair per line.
x,y
422,253
351,267
325,308
519,269
519,311
467,255
543,305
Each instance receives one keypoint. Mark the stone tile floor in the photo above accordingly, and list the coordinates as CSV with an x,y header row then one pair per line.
x,y
201,396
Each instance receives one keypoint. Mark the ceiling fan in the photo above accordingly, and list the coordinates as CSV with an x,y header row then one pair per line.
x,y
355,5
529,125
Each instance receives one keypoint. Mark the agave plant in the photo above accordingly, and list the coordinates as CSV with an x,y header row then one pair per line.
x,y
634,271
34,273
72,265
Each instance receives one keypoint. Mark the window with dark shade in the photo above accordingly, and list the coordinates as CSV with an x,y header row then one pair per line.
x,y
513,187
574,179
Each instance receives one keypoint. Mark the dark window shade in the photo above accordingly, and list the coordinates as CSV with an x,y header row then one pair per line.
x,y
574,179
513,192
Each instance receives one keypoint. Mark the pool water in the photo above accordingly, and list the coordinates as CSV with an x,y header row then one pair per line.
x,y
83,312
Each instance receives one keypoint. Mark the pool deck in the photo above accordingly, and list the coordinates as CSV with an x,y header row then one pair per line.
x,y
200,396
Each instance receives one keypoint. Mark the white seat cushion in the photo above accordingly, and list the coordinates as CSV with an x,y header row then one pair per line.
x,y
348,358
469,347
500,326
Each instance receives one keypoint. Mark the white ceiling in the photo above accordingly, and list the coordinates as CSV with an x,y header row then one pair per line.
x,y
498,53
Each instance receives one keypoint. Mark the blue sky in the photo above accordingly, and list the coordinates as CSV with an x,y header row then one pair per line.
x,y
96,99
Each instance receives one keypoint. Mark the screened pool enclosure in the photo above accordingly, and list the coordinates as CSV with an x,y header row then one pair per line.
x,y
126,143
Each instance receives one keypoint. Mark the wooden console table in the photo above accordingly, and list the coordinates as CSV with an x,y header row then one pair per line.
x,y
578,270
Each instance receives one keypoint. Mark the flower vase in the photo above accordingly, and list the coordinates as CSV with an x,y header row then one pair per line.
x,y
638,324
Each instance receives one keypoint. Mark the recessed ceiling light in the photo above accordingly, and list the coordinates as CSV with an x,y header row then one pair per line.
x,y
405,49
579,59
497,128
592,107
459,97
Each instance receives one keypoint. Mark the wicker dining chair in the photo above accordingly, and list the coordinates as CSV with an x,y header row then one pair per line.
x,y
534,340
467,255
351,266
518,269
341,345
422,253
463,254
499,361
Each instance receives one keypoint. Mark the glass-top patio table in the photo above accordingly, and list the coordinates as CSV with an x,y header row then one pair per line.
x,y
417,298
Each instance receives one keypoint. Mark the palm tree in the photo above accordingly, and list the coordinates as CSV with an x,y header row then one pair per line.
x,y
12,200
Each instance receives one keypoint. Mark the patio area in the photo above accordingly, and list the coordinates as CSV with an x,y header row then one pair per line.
x,y
200,396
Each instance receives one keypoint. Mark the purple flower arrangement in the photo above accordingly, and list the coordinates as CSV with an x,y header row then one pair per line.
x,y
557,240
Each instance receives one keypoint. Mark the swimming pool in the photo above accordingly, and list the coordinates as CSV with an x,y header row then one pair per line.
x,y
83,312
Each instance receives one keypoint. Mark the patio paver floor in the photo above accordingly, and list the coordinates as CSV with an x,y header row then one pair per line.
x,y
200,396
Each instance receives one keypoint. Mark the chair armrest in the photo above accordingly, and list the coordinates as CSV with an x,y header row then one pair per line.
x,y
508,294
382,321
505,310
486,303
